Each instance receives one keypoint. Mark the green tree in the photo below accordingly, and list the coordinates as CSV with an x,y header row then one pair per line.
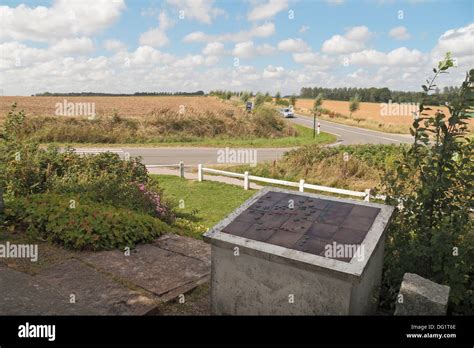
x,y
318,102
245,97
354,104
259,99
431,231
293,100
277,97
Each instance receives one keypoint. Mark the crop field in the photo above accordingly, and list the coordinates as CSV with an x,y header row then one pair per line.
x,y
154,120
124,106
369,114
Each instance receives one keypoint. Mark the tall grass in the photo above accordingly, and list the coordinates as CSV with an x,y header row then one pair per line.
x,y
326,165
164,125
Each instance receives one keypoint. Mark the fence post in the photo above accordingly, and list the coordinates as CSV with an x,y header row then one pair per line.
x,y
246,181
367,195
302,185
181,169
200,173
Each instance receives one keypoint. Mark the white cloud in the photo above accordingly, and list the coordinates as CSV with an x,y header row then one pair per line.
x,y
399,33
214,49
272,72
457,41
398,57
189,61
114,45
156,37
72,46
264,30
360,33
352,41
267,10
17,55
202,11
64,19
147,56
339,44
321,62
248,49
293,45
335,2
197,36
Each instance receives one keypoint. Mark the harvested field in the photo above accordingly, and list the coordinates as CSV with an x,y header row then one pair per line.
x,y
134,120
369,114
124,106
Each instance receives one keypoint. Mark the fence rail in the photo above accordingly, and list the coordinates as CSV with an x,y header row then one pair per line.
x,y
179,165
301,185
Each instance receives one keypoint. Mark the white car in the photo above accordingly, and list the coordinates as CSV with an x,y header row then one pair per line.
x,y
287,112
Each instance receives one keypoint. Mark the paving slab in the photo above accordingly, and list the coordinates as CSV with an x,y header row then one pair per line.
x,y
95,290
185,246
154,269
107,282
23,294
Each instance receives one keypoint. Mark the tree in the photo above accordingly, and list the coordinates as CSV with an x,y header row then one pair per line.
x,y
245,97
277,97
293,100
432,187
354,104
318,102
259,99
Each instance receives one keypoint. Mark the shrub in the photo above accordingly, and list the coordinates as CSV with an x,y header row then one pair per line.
x,y
431,233
77,223
283,102
189,228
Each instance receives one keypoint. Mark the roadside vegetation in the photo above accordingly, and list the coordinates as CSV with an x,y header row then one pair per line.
x,y
80,202
166,127
363,168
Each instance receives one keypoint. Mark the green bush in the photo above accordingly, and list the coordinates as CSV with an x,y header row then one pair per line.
x,y
77,223
283,102
432,187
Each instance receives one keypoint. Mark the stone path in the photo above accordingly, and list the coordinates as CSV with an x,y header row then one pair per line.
x,y
108,282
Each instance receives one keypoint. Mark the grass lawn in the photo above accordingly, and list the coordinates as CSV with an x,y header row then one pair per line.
x,y
212,200
305,137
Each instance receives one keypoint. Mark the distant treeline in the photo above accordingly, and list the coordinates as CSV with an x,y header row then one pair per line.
x,y
381,95
93,94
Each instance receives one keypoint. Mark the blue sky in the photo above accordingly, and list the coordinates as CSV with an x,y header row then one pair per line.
x,y
267,45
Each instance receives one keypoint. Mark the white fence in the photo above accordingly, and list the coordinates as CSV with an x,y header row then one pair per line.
x,y
179,165
247,178
301,185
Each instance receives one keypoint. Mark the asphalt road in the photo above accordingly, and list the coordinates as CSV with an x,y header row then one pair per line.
x,y
192,156
354,135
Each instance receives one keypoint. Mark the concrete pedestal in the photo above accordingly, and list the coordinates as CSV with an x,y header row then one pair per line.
x,y
279,276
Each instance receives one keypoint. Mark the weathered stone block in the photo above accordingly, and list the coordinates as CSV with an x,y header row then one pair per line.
x,y
420,296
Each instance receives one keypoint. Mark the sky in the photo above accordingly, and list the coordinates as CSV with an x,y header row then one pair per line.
x,y
119,46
